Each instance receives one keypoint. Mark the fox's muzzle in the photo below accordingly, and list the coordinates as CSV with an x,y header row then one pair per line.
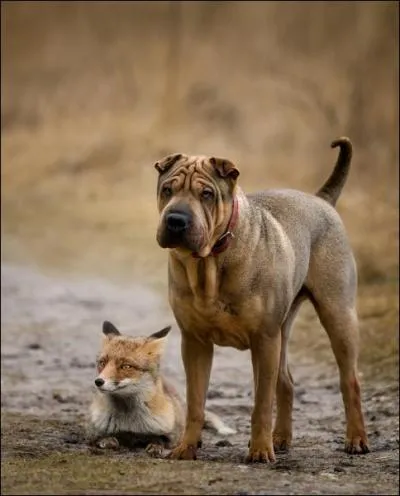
x,y
107,386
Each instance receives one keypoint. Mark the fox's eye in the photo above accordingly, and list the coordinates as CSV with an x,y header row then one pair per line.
x,y
126,366
207,194
101,363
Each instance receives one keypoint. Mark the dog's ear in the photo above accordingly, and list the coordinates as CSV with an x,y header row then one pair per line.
x,y
224,167
110,330
167,162
160,334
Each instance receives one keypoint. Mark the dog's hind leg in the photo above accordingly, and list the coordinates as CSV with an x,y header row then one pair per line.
x,y
282,435
334,298
341,324
332,282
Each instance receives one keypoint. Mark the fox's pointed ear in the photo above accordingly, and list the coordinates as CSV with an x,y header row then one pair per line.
x,y
110,330
155,344
167,162
160,334
225,168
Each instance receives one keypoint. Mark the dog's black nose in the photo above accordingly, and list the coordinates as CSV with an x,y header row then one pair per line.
x,y
177,222
99,382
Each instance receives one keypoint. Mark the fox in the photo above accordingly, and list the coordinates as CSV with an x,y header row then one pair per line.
x,y
133,403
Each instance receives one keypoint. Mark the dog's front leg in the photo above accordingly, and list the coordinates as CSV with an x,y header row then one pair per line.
x,y
265,351
197,360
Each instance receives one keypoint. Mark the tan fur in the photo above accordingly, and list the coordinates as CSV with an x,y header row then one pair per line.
x,y
287,246
136,405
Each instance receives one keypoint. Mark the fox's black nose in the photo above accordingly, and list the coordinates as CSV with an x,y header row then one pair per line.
x,y
99,382
177,222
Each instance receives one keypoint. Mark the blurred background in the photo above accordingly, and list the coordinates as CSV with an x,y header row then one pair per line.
x,y
93,93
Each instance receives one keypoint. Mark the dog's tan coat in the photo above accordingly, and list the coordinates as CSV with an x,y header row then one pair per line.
x,y
287,246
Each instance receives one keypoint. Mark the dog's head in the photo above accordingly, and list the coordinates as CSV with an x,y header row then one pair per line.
x,y
194,200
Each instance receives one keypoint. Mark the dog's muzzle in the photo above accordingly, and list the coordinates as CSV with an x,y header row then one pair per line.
x,y
178,230
177,223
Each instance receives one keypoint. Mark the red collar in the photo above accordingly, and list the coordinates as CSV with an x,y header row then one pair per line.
x,y
224,241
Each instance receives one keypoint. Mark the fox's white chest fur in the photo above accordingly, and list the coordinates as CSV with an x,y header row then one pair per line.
x,y
109,417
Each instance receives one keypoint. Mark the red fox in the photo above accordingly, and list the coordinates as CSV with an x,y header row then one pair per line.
x,y
133,403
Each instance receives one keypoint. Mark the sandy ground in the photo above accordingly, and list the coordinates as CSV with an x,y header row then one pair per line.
x,y
51,328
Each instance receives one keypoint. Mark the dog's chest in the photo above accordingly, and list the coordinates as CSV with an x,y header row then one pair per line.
x,y
222,322
212,306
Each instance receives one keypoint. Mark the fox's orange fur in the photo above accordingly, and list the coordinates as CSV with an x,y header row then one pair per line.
x,y
133,403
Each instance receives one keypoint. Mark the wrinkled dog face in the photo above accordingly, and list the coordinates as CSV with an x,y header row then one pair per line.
x,y
194,200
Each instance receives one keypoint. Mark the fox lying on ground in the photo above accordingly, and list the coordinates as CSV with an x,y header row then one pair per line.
x,y
133,403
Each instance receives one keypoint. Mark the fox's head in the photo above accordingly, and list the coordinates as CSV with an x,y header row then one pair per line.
x,y
129,365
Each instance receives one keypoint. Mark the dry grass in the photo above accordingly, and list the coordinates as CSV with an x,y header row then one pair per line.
x,y
94,93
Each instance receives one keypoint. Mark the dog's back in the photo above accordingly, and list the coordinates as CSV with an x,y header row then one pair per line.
x,y
311,222
298,211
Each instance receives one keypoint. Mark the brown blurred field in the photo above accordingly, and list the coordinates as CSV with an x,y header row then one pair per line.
x,y
94,93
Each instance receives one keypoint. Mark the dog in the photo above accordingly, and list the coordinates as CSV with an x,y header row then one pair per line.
x,y
239,267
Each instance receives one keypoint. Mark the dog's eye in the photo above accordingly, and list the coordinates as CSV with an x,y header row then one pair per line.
x,y
167,191
207,194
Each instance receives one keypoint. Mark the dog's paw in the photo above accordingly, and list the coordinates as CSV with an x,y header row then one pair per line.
x,y
154,450
260,454
281,442
357,445
108,443
183,452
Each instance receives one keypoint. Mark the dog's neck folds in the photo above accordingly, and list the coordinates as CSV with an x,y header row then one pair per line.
x,y
224,241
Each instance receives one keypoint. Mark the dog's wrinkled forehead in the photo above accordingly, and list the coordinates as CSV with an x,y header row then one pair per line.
x,y
182,165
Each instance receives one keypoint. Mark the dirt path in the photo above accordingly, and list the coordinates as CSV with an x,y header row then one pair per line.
x,y
51,327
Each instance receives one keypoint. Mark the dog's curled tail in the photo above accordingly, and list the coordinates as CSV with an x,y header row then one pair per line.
x,y
214,422
332,188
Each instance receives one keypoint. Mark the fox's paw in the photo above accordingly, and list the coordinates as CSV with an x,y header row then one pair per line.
x,y
260,453
154,450
108,443
183,452
357,445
